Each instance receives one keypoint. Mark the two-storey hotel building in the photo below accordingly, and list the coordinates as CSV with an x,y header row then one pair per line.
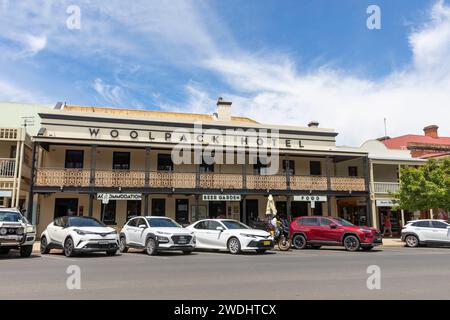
x,y
115,163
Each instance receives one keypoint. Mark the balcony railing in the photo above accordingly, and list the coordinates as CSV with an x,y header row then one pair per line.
x,y
7,168
190,180
386,187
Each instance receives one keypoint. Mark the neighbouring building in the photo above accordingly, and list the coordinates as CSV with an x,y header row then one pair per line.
x,y
428,145
115,163
15,167
385,170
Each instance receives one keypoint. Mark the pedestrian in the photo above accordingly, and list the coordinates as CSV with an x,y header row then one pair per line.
x,y
387,226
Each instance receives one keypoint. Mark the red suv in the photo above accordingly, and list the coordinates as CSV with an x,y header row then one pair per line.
x,y
317,231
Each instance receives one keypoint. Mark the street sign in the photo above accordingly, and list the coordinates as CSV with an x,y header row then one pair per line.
x,y
310,198
221,197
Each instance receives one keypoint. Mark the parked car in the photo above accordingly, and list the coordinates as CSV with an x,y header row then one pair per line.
x,y
428,232
76,234
231,235
317,231
16,232
154,234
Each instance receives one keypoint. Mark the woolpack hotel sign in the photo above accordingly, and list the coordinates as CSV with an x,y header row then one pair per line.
x,y
217,137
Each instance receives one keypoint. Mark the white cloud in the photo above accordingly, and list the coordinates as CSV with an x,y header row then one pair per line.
x,y
111,93
11,92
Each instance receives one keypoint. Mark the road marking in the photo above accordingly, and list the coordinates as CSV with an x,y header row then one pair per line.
x,y
58,258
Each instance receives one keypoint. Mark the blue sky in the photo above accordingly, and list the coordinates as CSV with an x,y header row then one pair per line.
x,y
278,61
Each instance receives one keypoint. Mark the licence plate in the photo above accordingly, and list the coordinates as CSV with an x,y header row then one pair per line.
x,y
103,242
266,243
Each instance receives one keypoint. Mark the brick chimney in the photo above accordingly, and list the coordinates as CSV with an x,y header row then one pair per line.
x,y
431,131
223,110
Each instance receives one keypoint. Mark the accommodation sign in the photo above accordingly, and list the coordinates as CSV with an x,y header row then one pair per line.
x,y
221,197
105,197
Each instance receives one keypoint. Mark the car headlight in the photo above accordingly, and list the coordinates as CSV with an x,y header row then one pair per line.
x,y
80,232
30,229
20,231
163,239
248,235
365,230
113,232
3,231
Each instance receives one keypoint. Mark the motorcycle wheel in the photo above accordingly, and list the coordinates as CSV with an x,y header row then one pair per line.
x,y
284,244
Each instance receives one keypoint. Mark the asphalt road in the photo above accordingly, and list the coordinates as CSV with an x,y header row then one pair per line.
x,y
421,273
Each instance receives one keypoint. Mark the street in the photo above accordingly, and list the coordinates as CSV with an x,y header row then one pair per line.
x,y
406,273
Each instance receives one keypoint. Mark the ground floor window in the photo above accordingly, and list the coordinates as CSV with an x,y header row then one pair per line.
x,y
299,208
182,211
353,210
158,207
133,208
281,208
65,207
252,209
217,209
109,212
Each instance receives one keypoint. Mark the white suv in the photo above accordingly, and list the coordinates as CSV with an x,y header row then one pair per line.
x,y
426,231
75,234
16,232
155,234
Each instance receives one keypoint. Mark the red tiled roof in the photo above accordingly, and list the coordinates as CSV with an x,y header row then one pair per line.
x,y
402,141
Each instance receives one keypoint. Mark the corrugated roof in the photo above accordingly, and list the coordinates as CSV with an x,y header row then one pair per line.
x,y
152,113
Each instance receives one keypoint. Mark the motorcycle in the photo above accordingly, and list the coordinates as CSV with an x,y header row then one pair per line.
x,y
281,235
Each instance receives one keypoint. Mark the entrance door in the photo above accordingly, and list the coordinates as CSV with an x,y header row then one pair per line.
x,y
65,207
252,210
182,211
281,208
217,209
299,208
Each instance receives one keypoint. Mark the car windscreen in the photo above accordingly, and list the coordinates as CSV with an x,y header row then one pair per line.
x,y
230,224
162,223
343,222
84,222
10,216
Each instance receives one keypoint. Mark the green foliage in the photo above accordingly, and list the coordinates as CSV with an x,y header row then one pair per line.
x,y
425,187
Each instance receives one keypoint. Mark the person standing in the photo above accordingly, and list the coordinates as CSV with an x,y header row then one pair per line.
x,y
387,225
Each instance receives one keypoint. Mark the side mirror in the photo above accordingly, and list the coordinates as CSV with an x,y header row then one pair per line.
x,y
142,226
219,229
333,226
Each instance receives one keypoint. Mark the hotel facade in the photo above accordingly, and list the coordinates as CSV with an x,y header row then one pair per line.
x,y
115,163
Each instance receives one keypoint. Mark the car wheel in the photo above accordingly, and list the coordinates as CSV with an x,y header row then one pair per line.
x,y
187,252
412,241
44,246
351,243
111,252
261,251
367,248
123,245
25,251
299,241
69,248
4,250
150,247
234,246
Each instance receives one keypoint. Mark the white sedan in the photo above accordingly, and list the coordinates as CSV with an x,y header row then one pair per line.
x,y
79,234
231,235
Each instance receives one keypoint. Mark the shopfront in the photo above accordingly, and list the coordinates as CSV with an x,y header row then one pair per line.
x,y
353,210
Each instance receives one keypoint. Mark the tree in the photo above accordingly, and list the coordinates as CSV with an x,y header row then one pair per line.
x,y
425,187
